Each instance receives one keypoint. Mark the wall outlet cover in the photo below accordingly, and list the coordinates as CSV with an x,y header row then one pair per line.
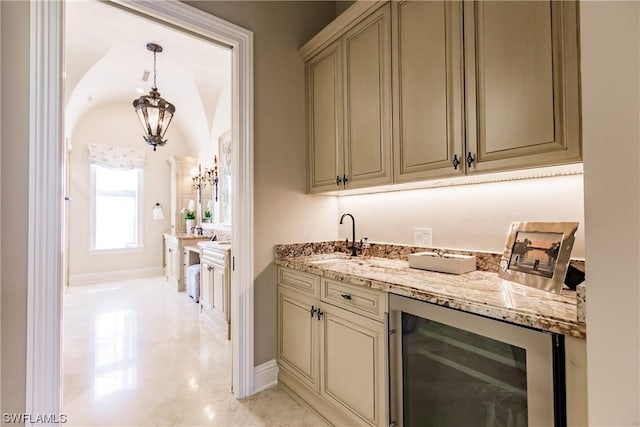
x,y
422,237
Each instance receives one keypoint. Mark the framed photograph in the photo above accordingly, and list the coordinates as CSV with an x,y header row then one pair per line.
x,y
537,254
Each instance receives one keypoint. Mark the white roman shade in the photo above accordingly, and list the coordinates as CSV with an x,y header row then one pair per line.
x,y
116,157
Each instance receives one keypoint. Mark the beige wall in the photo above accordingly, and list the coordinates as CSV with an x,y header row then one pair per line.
x,y
116,124
610,43
282,212
15,189
473,217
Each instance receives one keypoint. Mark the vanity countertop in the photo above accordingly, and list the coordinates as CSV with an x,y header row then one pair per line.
x,y
184,236
479,292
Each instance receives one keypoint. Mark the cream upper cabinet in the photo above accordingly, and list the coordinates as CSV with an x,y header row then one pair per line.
x,y
353,360
427,89
522,97
367,101
324,116
434,89
348,94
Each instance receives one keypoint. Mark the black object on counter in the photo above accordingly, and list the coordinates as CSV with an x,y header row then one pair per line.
x,y
573,277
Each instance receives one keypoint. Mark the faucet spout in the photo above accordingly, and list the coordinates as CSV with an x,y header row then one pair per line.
x,y
353,233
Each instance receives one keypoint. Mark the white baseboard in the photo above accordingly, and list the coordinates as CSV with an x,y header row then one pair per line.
x,y
265,376
111,276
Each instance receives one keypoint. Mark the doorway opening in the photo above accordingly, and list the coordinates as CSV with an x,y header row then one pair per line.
x,y
46,169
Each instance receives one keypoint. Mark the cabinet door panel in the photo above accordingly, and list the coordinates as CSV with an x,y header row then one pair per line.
x,y
522,83
352,352
206,282
219,300
428,103
368,100
298,338
324,118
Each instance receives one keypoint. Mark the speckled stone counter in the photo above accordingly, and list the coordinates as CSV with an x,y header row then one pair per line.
x,y
479,292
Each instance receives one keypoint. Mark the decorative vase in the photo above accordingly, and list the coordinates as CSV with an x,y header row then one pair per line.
x,y
190,224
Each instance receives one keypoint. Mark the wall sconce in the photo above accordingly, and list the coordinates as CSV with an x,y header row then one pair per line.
x,y
212,174
199,181
158,213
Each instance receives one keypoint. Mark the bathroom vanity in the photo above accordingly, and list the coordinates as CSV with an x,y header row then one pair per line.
x,y
174,262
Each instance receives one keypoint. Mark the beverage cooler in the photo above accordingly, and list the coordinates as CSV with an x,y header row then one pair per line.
x,y
449,368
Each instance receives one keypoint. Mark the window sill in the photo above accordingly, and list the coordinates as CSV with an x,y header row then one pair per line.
x,y
116,251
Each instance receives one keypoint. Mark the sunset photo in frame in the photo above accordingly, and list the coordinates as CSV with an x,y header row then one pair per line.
x,y
537,254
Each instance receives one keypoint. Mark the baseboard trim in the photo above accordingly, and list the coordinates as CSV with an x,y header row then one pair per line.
x,y
265,376
110,276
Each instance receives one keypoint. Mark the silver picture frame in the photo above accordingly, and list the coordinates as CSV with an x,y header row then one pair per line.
x,y
537,254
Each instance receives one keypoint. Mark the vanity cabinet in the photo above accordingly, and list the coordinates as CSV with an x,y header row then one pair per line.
x,y
476,87
171,260
215,288
331,355
348,87
181,190
174,262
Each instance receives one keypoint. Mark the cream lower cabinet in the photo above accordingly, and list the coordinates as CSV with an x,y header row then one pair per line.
x,y
215,288
331,357
171,260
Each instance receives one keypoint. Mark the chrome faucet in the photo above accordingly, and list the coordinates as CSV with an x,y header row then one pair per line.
x,y
353,235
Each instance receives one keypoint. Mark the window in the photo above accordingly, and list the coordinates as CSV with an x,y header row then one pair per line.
x,y
117,206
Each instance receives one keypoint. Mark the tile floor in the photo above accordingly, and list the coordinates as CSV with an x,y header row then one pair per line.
x,y
136,353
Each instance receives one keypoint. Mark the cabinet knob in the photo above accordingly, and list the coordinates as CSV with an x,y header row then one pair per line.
x,y
338,181
455,161
346,296
209,268
319,313
313,311
470,159
345,180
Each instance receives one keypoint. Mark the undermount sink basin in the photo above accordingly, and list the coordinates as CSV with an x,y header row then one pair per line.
x,y
443,263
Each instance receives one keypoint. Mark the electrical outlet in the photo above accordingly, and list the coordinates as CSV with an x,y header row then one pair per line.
x,y
422,236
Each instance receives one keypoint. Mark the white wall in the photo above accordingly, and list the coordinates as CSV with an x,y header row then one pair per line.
x,y
117,124
474,217
610,43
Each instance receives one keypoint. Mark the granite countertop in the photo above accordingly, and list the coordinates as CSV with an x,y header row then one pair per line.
x,y
479,292
185,236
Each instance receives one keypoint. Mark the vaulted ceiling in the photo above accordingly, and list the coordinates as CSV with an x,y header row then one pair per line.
x,y
106,61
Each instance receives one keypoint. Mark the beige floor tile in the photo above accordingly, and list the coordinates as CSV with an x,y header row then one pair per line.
x,y
136,353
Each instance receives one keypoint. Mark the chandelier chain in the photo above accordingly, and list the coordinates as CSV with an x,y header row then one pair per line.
x,y
155,73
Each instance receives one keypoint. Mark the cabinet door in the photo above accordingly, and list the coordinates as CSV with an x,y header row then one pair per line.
x,y
367,103
353,365
298,337
522,83
219,295
324,119
427,89
206,284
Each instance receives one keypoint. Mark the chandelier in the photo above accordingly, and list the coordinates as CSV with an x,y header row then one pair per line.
x,y
154,112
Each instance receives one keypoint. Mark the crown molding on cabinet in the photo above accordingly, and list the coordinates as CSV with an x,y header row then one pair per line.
x,y
338,27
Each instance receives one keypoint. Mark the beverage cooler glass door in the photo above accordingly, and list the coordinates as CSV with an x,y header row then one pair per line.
x,y
453,369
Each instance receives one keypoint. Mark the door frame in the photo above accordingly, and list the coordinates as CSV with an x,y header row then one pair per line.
x,y
46,150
